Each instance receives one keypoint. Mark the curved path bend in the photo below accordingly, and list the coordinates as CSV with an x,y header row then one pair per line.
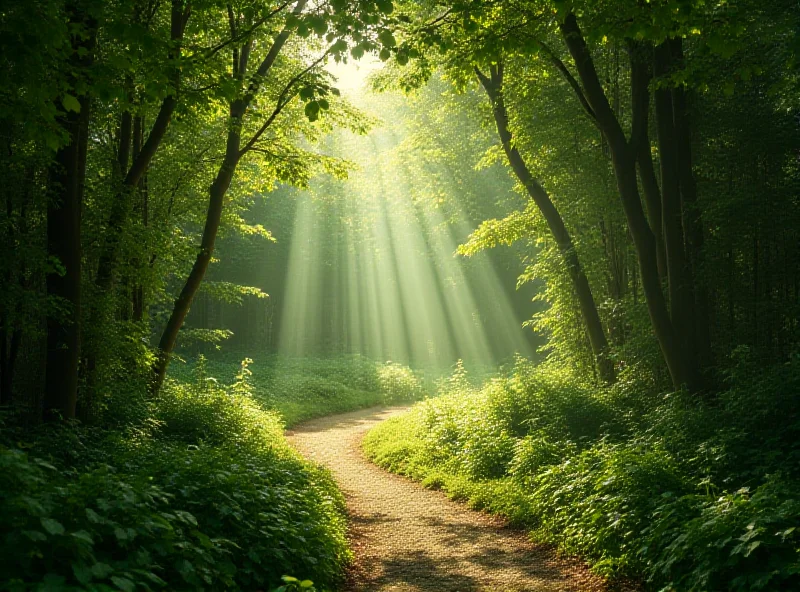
x,y
410,539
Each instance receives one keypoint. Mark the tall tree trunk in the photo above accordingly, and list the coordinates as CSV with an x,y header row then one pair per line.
x,y
138,304
681,295
64,242
216,194
624,158
692,218
591,318
143,157
640,56
217,191
126,188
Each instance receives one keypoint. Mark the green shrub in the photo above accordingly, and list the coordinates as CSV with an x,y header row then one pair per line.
x,y
690,493
398,383
99,529
284,515
199,492
740,541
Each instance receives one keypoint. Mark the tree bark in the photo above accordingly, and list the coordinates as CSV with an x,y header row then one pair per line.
x,y
588,307
640,80
681,296
64,242
138,303
692,218
624,158
131,177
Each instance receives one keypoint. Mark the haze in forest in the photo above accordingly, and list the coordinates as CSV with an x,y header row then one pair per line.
x,y
540,256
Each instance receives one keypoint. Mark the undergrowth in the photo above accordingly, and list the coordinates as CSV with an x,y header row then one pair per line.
x,y
684,493
195,490
303,388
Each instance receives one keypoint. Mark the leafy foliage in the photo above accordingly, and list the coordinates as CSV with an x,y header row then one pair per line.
x,y
196,489
692,495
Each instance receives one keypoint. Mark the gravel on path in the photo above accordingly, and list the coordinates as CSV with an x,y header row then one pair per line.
x,y
410,539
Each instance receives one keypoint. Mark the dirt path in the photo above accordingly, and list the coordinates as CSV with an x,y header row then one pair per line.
x,y
407,538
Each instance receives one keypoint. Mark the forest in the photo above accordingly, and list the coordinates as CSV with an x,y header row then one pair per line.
x,y
406,295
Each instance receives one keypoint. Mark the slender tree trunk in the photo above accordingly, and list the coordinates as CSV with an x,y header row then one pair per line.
x,y
5,315
131,177
217,191
64,244
10,352
681,295
624,158
123,199
640,79
138,304
588,307
216,196
692,219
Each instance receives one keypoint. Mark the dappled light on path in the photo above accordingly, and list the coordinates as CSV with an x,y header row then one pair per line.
x,y
407,538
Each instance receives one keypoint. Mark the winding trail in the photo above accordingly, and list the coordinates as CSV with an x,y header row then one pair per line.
x,y
410,539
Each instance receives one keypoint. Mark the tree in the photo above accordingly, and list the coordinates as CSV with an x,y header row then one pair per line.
x,y
344,23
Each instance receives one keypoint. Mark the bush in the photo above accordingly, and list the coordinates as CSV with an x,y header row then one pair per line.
x,y
738,542
203,493
689,493
99,529
398,383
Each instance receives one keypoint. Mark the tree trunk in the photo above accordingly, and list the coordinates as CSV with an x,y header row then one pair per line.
x,y
681,295
138,304
692,219
624,158
143,157
64,244
217,191
588,307
640,79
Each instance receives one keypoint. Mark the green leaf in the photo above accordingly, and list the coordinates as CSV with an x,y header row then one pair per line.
x,y
52,526
84,536
123,584
751,547
82,572
70,103
102,570
312,110
386,38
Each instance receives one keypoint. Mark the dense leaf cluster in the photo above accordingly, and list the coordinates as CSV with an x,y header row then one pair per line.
x,y
685,494
197,491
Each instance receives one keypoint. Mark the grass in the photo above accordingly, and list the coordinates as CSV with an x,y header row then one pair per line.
x,y
682,493
299,389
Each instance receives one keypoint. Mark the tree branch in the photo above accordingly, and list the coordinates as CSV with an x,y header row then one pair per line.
x,y
559,64
281,103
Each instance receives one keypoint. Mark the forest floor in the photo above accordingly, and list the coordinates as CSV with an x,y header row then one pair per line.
x,y
407,538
